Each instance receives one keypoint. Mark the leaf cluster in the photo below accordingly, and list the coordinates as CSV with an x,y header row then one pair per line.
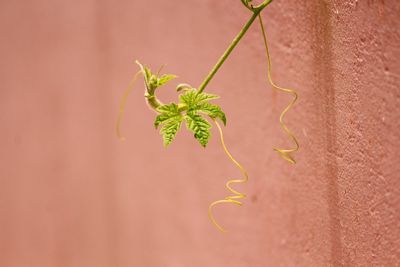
x,y
192,109
154,81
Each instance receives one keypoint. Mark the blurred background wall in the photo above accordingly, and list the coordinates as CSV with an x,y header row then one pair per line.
x,y
72,195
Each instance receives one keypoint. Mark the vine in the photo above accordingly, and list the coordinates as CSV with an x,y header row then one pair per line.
x,y
194,107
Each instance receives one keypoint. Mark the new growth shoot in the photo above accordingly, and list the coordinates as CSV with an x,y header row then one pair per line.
x,y
195,109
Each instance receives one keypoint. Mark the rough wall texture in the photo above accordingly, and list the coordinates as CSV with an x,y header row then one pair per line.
x,y
72,195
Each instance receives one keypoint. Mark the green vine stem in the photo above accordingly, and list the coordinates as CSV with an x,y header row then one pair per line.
x,y
256,10
154,102
194,108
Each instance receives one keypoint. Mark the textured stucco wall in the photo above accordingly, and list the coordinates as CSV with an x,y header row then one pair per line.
x,y
72,195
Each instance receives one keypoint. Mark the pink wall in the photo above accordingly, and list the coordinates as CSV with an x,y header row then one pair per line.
x,y
72,195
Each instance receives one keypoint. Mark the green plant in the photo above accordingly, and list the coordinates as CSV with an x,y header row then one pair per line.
x,y
191,108
194,107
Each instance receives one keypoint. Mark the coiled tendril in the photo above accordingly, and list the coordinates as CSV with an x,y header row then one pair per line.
x,y
250,6
128,90
154,104
285,153
237,195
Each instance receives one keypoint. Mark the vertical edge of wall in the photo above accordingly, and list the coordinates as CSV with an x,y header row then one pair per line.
x,y
344,58
358,43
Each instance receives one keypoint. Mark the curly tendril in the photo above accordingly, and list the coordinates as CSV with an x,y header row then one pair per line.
x,y
248,4
237,195
285,153
127,92
170,116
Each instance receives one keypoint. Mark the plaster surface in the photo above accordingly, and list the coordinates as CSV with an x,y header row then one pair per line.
x,y
72,195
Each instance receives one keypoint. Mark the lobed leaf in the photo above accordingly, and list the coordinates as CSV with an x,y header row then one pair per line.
x,y
214,111
199,126
169,108
188,97
167,112
193,98
203,97
170,128
160,119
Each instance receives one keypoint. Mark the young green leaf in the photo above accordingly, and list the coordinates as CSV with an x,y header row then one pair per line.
x,y
170,128
160,119
146,71
164,79
188,97
211,110
169,108
203,97
192,98
199,126
152,80
166,112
